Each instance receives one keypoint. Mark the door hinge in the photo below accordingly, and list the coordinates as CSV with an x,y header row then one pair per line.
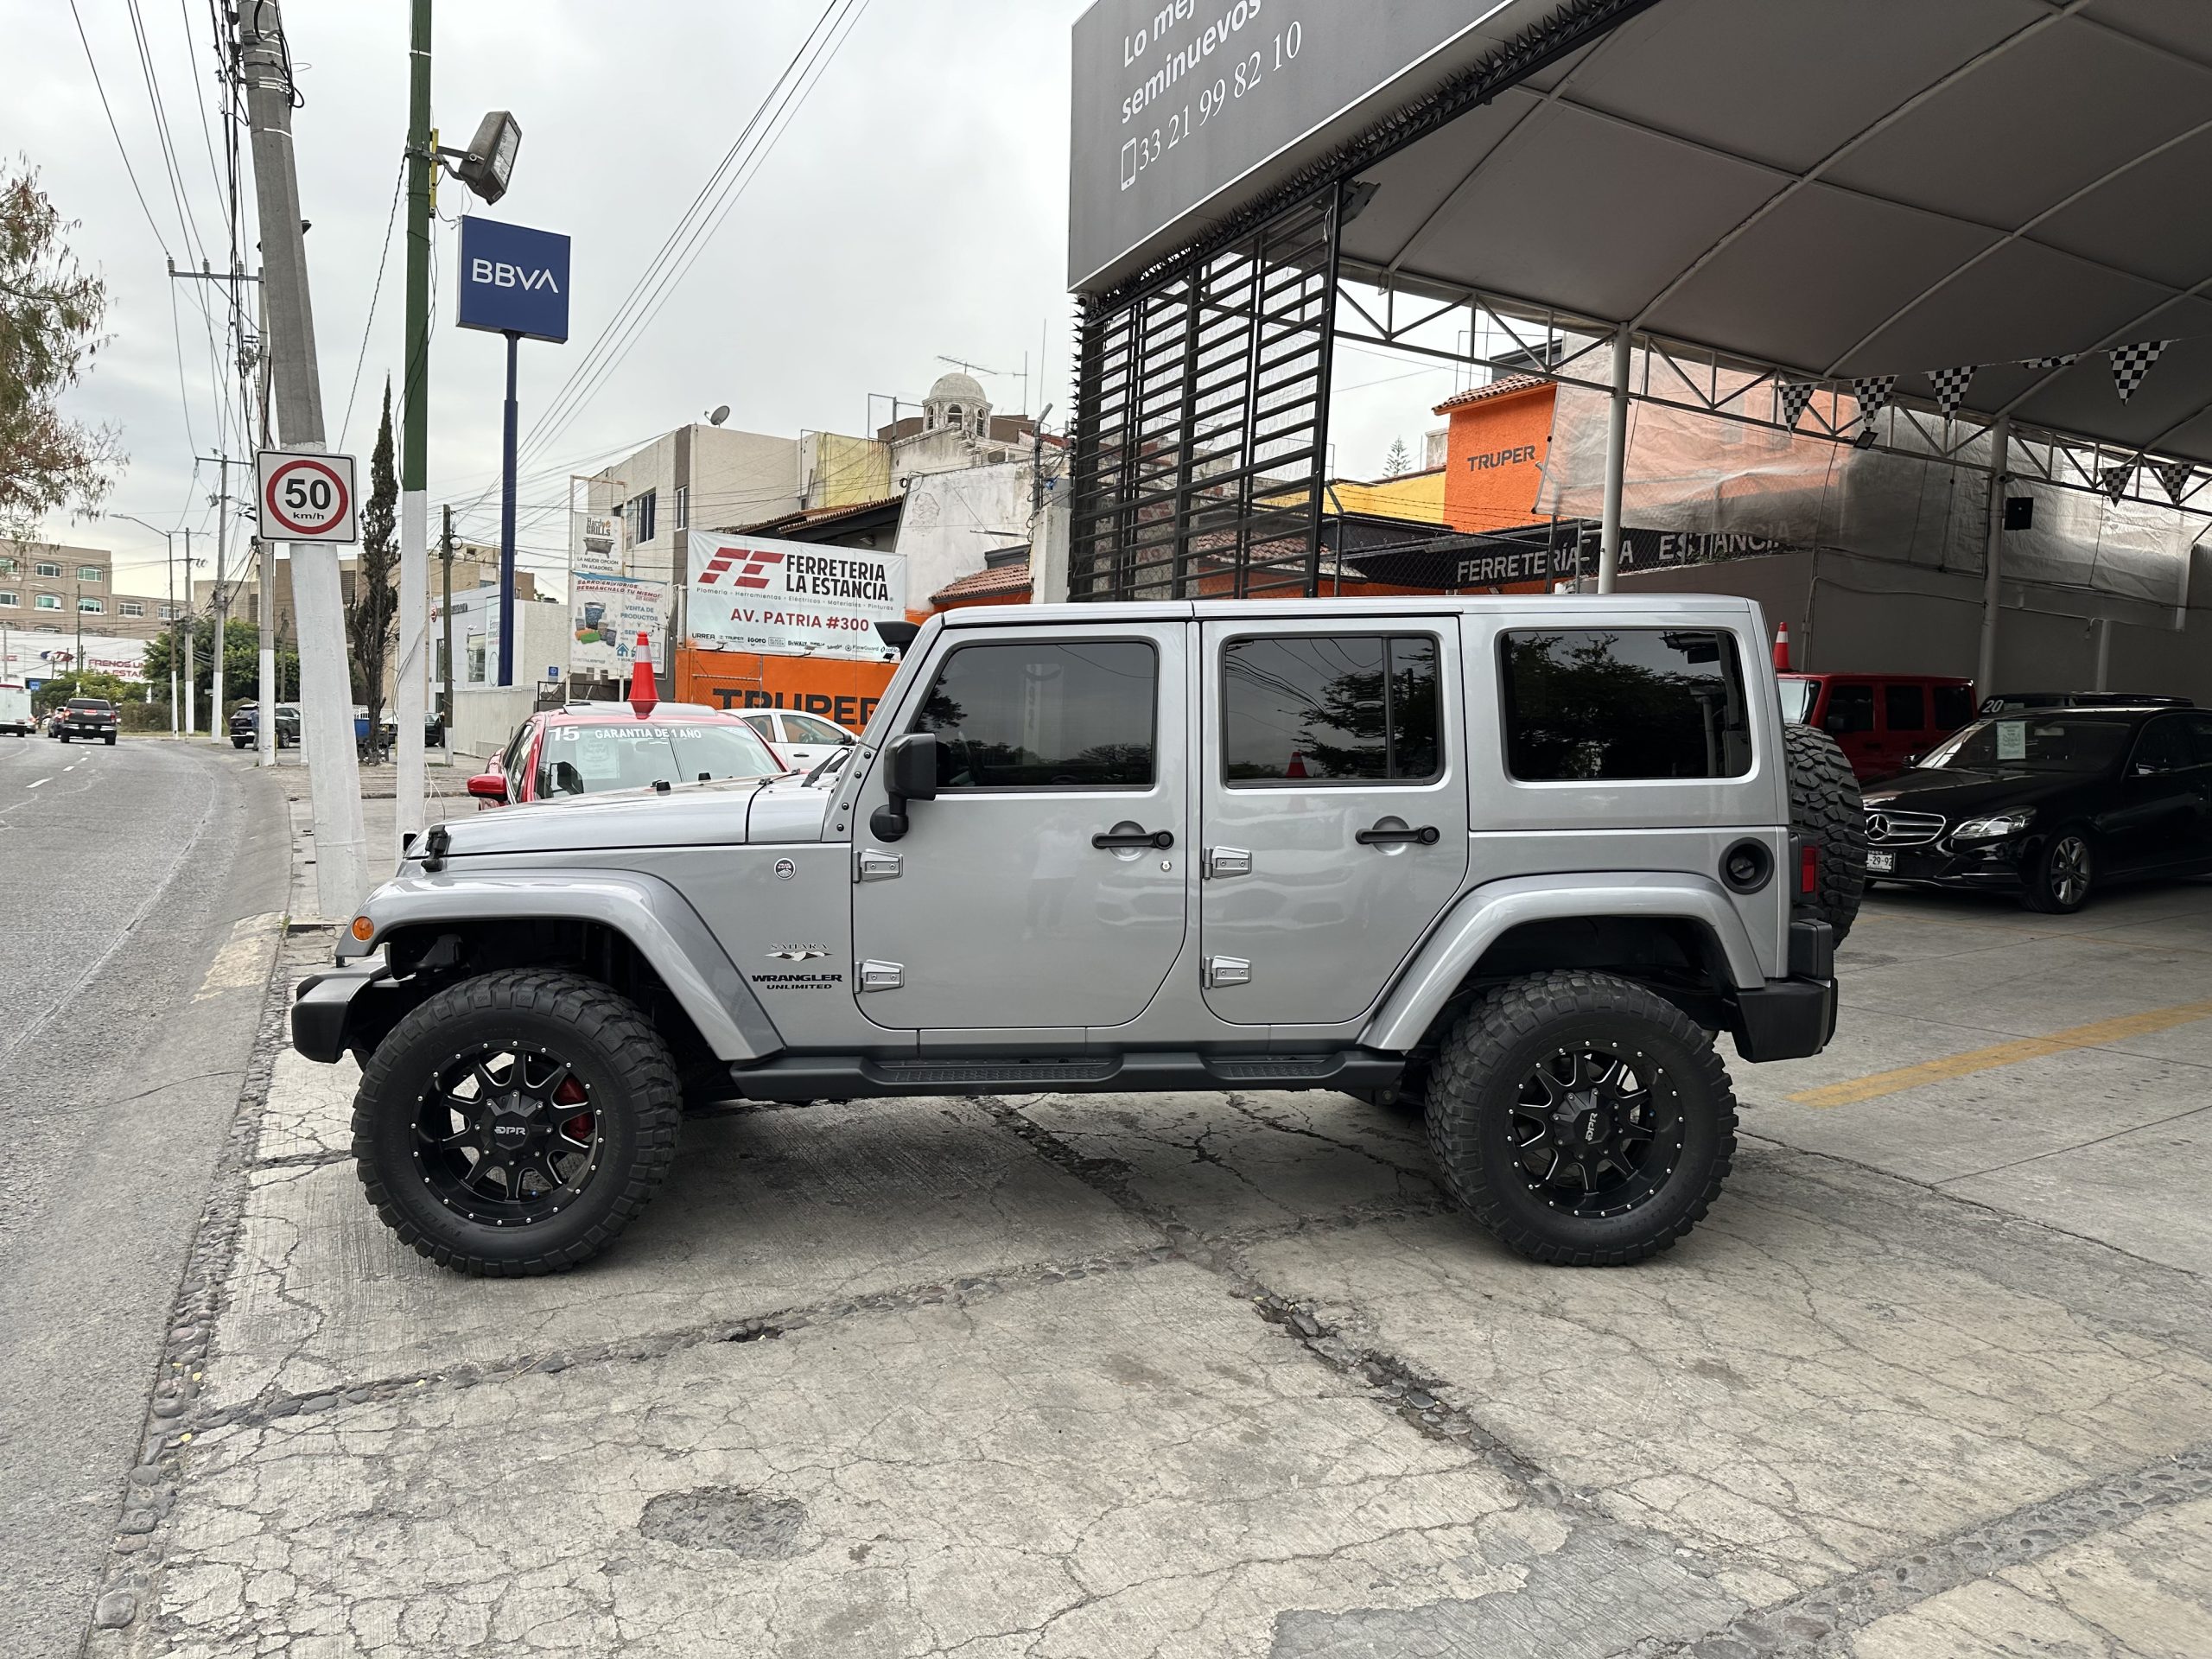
x,y
1227,860
1227,970
882,976
878,866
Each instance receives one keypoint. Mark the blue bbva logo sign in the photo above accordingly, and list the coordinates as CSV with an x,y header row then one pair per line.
x,y
514,280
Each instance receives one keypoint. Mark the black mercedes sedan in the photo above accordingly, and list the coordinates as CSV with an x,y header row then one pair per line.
x,y
2051,805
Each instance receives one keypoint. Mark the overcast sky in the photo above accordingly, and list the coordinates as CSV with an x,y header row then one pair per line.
x,y
917,206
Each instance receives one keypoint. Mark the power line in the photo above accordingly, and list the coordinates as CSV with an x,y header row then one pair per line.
x,y
122,150
391,219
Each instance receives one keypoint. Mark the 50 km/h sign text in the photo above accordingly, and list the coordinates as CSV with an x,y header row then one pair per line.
x,y
307,497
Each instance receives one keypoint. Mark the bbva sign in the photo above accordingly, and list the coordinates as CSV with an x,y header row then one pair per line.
x,y
514,280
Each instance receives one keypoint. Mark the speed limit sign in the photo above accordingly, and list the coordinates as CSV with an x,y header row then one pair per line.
x,y
307,496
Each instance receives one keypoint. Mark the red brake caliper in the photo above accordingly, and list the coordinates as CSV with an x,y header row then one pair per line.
x,y
571,1093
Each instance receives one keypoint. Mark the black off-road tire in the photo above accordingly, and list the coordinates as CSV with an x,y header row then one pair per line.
x,y
620,1059
1826,810
1510,1029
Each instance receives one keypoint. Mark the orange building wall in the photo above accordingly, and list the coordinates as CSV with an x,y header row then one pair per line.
x,y
835,688
1495,452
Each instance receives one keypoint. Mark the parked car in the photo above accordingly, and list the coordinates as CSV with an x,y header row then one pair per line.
x,y
2015,703
610,746
2052,806
53,723
1882,721
15,709
805,741
93,718
246,726
1462,851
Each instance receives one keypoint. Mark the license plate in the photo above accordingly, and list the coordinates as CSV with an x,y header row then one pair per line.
x,y
1877,863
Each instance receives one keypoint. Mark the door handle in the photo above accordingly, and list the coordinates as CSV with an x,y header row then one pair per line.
x,y
1125,839
1426,836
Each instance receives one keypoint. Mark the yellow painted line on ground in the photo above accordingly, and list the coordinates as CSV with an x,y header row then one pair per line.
x,y
2097,1035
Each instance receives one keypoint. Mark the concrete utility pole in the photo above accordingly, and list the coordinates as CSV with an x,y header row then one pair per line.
x,y
415,439
221,602
445,557
265,721
326,690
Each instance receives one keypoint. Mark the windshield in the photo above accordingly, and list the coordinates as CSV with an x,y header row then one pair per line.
x,y
592,760
2036,743
1797,699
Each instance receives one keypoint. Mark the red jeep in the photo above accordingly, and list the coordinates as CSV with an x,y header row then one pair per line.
x,y
1881,720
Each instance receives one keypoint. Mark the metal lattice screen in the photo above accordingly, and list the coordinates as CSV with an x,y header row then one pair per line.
x,y
1201,425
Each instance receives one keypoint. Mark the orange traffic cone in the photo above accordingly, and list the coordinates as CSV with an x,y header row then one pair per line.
x,y
643,697
1781,648
1297,767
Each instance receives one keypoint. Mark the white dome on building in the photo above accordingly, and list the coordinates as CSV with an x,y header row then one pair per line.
x,y
956,400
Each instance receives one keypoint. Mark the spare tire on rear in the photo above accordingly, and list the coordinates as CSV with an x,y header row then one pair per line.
x,y
1825,811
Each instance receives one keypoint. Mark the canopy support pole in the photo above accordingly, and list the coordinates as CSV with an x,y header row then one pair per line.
x,y
1609,545
2001,438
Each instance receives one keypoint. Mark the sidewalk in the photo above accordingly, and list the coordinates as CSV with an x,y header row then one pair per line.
x,y
443,795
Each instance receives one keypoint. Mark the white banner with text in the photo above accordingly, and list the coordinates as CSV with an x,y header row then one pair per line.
x,y
792,599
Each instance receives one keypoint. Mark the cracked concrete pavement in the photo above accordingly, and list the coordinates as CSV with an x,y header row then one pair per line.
x,y
1225,1375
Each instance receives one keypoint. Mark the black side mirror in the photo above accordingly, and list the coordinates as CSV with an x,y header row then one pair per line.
x,y
909,774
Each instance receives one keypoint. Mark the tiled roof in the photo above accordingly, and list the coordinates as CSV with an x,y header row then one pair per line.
x,y
984,584
813,517
1504,385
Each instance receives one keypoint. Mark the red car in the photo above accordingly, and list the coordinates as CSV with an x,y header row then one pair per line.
x,y
590,749
1882,721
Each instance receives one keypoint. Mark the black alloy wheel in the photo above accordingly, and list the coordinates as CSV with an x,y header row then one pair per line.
x,y
1580,1117
516,1123
2063,872
506,1135
1595,1128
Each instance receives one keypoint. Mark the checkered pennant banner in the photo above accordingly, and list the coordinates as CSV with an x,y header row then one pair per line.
x,y
2173,477
1871,393
1796,394
2050,362
2113,480
1950,387
2131,363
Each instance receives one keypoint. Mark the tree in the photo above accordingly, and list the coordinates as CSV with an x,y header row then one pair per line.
x,y
1400,460
368,619
50,311
241,662
52,694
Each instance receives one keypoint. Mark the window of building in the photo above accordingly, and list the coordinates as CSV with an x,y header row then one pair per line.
x,y
1037,715
46,601
1905,708
1347,708
130,608
1590,704
168,613
7,565
11,601
639,509
684,506
475,660
91,573
91,607
47,567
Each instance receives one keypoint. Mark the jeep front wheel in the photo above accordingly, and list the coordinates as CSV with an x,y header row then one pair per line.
x,y
515,1123
1581,1118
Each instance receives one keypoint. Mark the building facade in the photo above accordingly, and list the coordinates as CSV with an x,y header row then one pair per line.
x,y
47,588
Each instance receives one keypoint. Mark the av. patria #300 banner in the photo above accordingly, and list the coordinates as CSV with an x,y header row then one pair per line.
x,y
792,599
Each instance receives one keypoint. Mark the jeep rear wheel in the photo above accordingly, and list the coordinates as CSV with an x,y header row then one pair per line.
x,y
1581,1118
515,1123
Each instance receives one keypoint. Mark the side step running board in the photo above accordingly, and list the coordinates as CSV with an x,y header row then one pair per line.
x,y
852,1076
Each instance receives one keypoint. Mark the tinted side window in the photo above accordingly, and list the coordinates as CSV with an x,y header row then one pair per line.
x,y
1624,703
1905,708
1033,715
1851,709
2164,746
1954,706
1339,708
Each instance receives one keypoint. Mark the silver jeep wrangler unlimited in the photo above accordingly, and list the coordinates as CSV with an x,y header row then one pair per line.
x,y
1516,859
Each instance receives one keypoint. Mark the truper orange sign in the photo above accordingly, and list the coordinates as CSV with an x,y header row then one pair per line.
x,y
1499,435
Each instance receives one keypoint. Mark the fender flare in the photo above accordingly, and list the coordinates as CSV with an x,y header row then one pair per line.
x,y
1487,912
644,909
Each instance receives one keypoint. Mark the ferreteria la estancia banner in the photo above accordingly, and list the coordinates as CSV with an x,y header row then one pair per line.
x,y
794,598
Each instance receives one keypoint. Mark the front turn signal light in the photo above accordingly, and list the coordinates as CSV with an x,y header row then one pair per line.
x,y
364,929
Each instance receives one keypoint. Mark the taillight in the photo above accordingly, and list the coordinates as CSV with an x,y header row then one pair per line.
x,y
1809,870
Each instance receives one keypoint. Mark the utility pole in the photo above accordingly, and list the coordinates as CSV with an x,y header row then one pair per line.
x,y
77,663
414,437
220,601
445,555
264,746
327,694
191,675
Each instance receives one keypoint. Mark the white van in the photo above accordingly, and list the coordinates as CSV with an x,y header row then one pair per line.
x,y
15,708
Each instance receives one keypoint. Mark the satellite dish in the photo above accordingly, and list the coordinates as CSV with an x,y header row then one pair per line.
x,y
720,414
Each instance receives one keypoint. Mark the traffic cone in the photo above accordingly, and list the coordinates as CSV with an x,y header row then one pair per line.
x,y
643,697
1781,648
1297,767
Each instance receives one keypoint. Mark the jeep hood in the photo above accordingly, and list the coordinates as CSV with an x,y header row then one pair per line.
x,y
727,813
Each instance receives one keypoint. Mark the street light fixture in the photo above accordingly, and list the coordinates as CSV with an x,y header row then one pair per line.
x,y
489,161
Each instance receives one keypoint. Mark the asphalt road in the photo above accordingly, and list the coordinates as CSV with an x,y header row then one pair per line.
x,y
141,885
